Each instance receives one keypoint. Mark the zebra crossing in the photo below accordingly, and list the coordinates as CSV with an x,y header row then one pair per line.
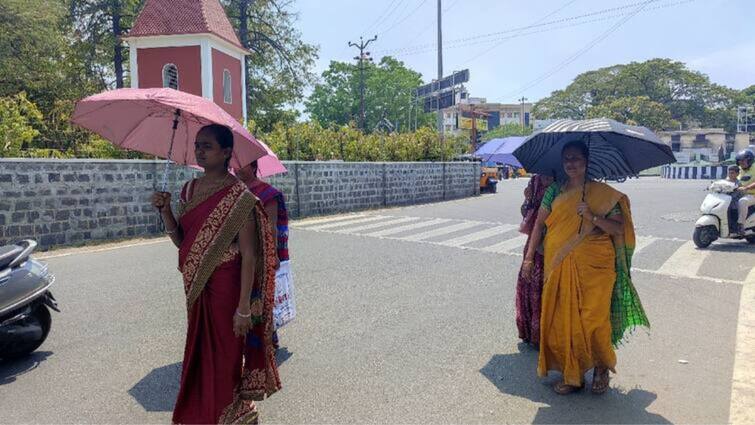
x,y
671,257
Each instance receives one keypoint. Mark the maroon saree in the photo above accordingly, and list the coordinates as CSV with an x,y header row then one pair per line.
x,y
529,287
222,374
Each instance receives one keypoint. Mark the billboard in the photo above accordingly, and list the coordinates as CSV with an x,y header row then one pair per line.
x,y
466,124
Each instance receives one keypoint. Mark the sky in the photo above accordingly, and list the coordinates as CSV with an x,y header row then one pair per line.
x,y
530,48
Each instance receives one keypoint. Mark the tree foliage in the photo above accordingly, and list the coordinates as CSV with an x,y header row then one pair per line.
x,y
279,67
388,95
662,86
310,141
507,130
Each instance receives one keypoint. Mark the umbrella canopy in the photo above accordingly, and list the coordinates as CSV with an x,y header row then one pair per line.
x,y
501,150
142,120
616,151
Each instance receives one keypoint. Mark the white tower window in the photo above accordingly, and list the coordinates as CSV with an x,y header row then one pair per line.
x,y
170,76
227,94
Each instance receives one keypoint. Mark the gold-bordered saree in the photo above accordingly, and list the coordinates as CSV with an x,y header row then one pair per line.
x,y
588,300
223,374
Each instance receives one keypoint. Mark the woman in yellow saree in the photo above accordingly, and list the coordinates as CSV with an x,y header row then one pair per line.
x,y
588,299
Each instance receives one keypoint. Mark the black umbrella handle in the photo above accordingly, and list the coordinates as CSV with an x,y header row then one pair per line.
x,y
584,185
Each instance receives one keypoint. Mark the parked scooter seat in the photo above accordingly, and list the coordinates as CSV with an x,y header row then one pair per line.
x,y
9,253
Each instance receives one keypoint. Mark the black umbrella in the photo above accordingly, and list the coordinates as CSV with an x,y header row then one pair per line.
x,y
616,150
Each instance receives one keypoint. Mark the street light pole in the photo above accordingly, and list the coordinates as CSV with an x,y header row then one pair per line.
x,y
363,56
521,118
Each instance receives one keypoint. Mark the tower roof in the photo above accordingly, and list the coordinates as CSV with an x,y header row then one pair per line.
x,y
169,17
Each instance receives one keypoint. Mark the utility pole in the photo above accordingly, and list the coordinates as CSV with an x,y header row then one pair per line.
x,y
363,56
440,77
521,119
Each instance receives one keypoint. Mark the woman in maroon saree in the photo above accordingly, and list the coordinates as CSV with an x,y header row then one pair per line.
x,y
529,286
227,258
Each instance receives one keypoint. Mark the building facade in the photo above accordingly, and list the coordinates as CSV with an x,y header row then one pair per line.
x,y
709,144
496,114
189,45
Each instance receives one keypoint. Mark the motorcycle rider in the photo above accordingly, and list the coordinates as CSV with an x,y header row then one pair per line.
x,y
745,160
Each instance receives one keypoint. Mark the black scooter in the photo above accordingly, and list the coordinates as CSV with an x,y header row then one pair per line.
x,y
25,296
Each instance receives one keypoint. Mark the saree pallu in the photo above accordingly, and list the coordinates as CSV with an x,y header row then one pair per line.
x,y
266,193
588,299
221,374
529,286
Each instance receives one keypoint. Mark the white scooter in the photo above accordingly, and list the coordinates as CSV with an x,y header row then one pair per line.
x,y
719,216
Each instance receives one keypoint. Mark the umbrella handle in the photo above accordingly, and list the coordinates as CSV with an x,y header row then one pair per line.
x,y
176,115
584,185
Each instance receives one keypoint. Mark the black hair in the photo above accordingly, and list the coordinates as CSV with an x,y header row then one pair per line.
x,y
223,135
579,144
734,168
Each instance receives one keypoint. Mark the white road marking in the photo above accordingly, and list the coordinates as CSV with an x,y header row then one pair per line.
x,y
440,232
347,222
408,227
76,251
507,245
742,408
360,229
476,236
643,242
686,261
323,220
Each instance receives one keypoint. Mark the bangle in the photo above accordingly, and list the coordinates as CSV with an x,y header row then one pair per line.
x,y
528,261
245,316
171,232
594,219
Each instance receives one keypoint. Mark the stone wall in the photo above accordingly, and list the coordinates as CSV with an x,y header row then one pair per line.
x,y
67,202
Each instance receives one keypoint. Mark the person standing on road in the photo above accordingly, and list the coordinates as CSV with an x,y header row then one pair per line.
x,y
274,204
588,248
745,160
227,259
529,286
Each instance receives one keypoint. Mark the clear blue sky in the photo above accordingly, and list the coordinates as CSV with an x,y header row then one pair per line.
x,y
716,37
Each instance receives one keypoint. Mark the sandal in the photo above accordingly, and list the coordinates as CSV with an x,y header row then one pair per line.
x,y
563,389
600,380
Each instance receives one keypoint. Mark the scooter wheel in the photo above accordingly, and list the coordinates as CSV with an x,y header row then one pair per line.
x,y
704,236
40,317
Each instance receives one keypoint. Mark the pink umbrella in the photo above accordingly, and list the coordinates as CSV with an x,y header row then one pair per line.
x,y
164,122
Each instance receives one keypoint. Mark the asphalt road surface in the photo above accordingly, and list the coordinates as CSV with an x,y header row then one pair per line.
x,y
404,316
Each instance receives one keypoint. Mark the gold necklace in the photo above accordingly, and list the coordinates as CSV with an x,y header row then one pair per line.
x,y
214,188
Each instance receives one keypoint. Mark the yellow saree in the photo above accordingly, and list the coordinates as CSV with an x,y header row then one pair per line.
x,y
581,272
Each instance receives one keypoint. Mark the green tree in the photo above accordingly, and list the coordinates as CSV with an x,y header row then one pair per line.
x,y
17,116
388,94
279,67
637,110
36,57
689,96
99,26
507,130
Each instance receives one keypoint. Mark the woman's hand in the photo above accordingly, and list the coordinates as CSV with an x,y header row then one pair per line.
x,y
527,267
584,210
242,321
161,200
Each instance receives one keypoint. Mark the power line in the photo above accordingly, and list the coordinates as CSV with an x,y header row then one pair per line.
x,y
571,59
431,23
518,29
456,44
398,3
399,22
488,50
381,16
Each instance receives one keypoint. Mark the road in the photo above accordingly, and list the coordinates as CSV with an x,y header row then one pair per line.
x,y
405,316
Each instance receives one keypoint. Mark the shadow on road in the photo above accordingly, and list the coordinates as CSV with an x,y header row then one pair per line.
x,y
157,392
516,374
282,354
732,246
10,369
